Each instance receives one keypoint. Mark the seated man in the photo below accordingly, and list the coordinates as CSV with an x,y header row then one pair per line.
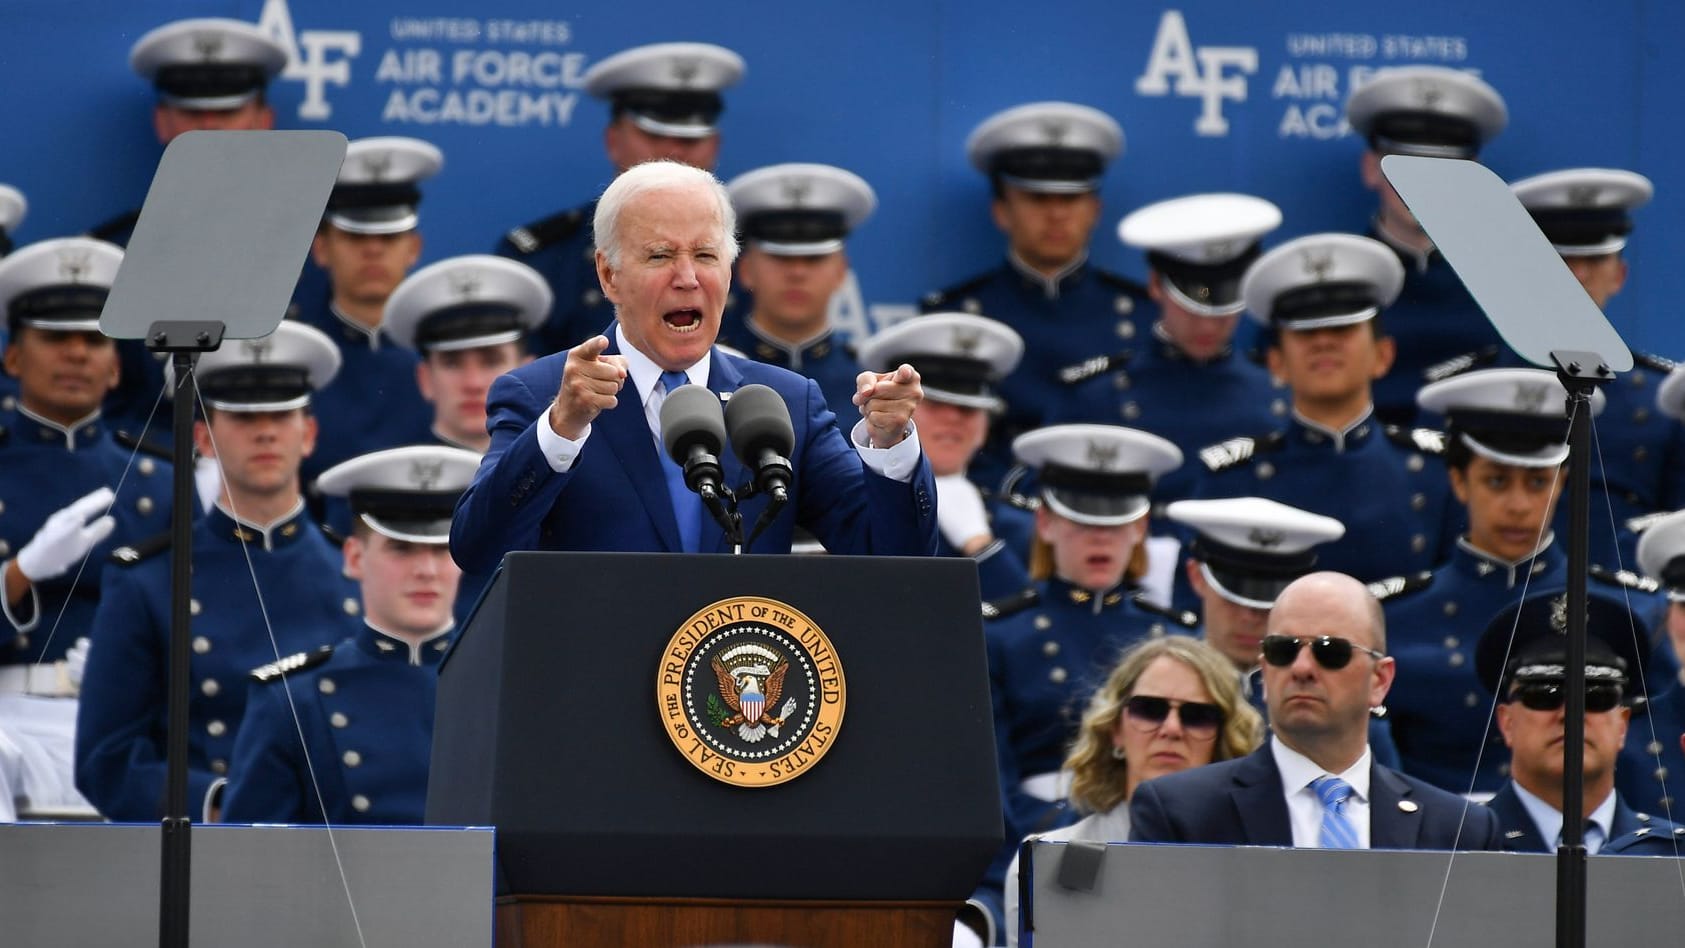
x,y
365,706
1315,783
575,462
1530,685
1652,764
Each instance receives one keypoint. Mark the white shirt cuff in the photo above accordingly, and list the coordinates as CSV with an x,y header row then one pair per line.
x,y
896,463
559,452
22,628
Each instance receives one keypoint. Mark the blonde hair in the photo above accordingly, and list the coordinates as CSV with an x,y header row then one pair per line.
x,y
1099,780
1041,564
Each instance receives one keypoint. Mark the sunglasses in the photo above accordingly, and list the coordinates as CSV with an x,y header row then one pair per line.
x,y
1148,713
1329,651
1549,696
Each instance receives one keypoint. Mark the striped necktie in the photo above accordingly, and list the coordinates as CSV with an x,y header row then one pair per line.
x,y
1337,830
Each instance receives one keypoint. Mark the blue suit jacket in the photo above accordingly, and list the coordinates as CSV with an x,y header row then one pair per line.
x,y
615,495
1240,803
1630,833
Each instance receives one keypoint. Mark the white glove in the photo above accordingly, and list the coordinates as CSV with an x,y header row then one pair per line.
x,y
67,536
76,662
959,511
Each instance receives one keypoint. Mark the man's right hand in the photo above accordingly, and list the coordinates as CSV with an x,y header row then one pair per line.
x,y
591,384
67,536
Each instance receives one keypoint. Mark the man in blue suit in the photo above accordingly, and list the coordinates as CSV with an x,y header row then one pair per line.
x,y
575,461
1314,785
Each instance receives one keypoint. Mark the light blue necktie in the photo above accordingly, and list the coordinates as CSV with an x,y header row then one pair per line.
x,y
1337,830
687,506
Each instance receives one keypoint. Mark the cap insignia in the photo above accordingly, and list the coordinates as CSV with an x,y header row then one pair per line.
x,y
1583,195
1266,538
966,341
426,474
1318,264
1103,456
1055,132
74,264
465,283
377,164
686,69
208,46
1429,94
257,350
1531,398
796,191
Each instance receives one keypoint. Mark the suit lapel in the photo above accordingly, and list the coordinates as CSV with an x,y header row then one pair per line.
x,y
1259,803
1395,821
723,379
627,434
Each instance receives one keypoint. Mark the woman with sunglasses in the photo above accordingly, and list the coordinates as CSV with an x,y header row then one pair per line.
x,y
1170,704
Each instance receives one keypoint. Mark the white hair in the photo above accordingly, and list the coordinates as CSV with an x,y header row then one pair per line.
x,y
659,175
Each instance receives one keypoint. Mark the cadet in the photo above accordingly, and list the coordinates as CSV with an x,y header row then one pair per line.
x,y
1586,214
366,243
1530,686
365,706
1321,297
793,219
1242,553
1437,112
13,207
266,582
1652,765
664,102
1045,162
68,494
960,359
1186,383
210,74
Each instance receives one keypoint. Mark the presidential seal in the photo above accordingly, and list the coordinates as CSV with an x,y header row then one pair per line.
x,y
751,692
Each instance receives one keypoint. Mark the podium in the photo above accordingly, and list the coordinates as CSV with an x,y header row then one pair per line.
x,y
559,722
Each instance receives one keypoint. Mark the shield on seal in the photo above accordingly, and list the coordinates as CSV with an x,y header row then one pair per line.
x,y
752,706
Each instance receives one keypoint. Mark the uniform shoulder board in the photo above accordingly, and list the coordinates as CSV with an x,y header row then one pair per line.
x,y
943,299
1011,495
1425,440
1623,577
1182,617
1237,451
1011,605
264,674
1457,365
143,445
1643,522
554,229
1395,586
1120,282
111,227
1651,361
1096,365
133,553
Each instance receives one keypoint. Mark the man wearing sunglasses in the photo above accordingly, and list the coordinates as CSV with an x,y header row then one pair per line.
x,y
1315,784
1530,715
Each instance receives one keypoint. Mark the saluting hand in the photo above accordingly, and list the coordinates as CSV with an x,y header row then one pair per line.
x,y
886,401
591,383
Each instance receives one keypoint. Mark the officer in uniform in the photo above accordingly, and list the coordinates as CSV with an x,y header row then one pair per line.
x,y
210,74
266,582
1436,112
1044,162
1528,675
364,706
961,358
467,318
1187,383
1320,297
1652,764
1505,450
366,244
69,493
13,207
664,102
794,218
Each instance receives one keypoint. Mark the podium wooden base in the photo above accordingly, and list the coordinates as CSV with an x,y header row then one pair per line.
x,y
550,921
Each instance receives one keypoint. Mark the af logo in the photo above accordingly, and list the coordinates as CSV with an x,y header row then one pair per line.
x,y
1200,72
1267,538
465,284
750,691
1531,398
1318,265
257,350
74,264
308,55
425,475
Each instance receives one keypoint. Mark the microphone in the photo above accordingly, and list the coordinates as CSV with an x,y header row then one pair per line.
x,y
762,436
693,434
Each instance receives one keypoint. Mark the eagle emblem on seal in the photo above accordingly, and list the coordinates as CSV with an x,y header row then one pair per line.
x,y
751,679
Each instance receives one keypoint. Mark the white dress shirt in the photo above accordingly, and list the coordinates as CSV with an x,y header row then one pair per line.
x,y
1304,807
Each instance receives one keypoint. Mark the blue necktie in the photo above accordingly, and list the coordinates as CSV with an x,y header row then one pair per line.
x,y
687,506
1337,830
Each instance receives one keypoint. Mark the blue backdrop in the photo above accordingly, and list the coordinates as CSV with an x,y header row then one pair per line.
x,y
1212,95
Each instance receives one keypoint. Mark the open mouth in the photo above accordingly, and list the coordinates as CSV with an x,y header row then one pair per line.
x,y
683,320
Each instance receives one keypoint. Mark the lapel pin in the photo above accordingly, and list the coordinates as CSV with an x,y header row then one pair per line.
x,y
1514,834
1407,806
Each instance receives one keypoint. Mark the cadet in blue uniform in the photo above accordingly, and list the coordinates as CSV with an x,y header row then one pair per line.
x,y
364,706
1437,112
1186,383
266,582
960,359
13,207
1530,684
1652,765
1044,161
210,75
793,219
1321,296
366,244
1505,451
664,102
468,318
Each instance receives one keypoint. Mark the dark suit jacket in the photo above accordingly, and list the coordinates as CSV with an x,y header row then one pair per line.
x,y
1630,833
615,495
1240,803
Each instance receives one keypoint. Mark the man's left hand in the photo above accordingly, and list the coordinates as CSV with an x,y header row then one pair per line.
x,y
886,401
